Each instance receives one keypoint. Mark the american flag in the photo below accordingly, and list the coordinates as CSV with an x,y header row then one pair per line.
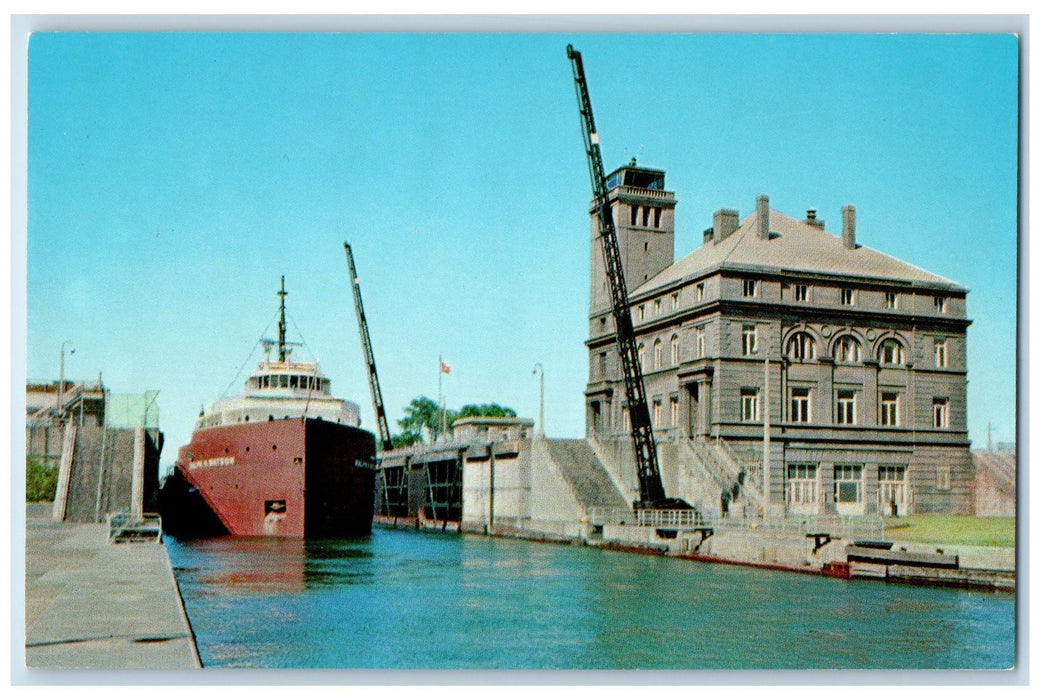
x,y
445,367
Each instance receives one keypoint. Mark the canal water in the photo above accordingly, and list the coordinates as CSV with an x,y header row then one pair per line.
x,y
408,600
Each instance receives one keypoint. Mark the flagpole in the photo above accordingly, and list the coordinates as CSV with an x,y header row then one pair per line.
x,y
440,390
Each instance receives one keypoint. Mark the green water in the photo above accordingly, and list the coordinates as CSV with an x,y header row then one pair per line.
x,y
407,600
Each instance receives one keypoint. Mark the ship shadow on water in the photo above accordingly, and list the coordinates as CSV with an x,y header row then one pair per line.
x,y
246,565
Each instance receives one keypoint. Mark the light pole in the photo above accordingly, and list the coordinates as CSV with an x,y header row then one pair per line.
x,y
537,369
61,376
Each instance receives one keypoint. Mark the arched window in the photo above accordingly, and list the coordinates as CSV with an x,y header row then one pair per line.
x,y
642,356
801,347
846,349
891,353
675,349
657,354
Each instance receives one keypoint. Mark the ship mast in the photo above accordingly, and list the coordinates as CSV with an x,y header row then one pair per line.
x,y
281,323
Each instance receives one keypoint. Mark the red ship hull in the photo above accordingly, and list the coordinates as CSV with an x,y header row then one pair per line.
x,y
297,477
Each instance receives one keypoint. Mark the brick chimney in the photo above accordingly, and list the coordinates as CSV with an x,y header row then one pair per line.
x,y
848,226
725,221
762,209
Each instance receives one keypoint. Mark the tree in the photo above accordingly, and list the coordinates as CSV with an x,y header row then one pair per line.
x,y
424,419
405,439
424,416
487,410
41,481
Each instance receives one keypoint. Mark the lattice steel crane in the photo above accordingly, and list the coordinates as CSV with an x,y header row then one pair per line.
x,y
370,360
651,490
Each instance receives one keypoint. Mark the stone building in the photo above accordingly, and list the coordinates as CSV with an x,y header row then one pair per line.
x,y
797,369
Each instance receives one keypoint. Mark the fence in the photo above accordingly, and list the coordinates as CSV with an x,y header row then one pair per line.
x,y
846,527
132,410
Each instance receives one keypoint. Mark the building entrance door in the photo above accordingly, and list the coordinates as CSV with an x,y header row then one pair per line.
x,y
693,395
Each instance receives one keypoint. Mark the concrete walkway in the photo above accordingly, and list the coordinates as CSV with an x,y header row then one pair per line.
x,y
94,605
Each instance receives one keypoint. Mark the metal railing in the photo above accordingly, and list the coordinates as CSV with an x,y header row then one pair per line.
x,y
125,527
849,527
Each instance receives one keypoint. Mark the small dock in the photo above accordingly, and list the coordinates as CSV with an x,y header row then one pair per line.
x,y
91,603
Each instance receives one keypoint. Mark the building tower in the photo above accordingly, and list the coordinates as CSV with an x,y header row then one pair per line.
x,y
644,218
644,221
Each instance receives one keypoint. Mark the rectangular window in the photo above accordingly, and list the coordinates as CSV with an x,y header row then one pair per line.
x,y
891,489
845,408
848,483
657,217
751,288
642,311
800,405
657,412
602,365
698,341
673,409
941,413
749,404
700,292
801,483
749,340
633,213
657,307
801,292
891,300
940,304
891,473
889,408
940,354
675,301
848,297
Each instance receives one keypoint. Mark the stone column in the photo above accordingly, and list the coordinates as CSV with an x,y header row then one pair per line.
x,y
137,480
823,410
868,406
68,450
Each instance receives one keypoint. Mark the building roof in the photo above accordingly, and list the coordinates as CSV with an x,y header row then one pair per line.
x,y
793,246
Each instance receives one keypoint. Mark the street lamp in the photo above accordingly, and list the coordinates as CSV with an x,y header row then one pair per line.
x,y
61,375
537,369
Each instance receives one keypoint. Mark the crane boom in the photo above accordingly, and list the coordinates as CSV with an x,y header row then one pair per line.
x,y
370,359
651,489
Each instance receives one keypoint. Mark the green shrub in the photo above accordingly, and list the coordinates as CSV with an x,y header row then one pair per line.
x,y
41,481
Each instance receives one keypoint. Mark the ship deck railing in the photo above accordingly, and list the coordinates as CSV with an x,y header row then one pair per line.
x,y
124,527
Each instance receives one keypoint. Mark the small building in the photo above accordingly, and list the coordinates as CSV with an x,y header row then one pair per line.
x,y
495,476
81,402
488,429
810,372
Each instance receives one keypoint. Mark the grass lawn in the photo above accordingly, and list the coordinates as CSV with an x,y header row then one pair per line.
x,y
952,529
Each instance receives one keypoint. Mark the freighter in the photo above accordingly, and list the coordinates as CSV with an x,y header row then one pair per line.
x,y
283,458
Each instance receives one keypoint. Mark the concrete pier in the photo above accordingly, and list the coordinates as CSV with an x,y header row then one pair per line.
x,y
90,604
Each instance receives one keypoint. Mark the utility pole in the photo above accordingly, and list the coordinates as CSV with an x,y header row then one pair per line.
x,y
765,441
61,377
540,371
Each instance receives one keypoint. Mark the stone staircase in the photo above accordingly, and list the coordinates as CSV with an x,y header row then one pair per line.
x,y
995,482
582,470
711,468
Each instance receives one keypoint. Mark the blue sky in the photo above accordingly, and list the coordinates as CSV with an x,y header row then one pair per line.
x,y
173,178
